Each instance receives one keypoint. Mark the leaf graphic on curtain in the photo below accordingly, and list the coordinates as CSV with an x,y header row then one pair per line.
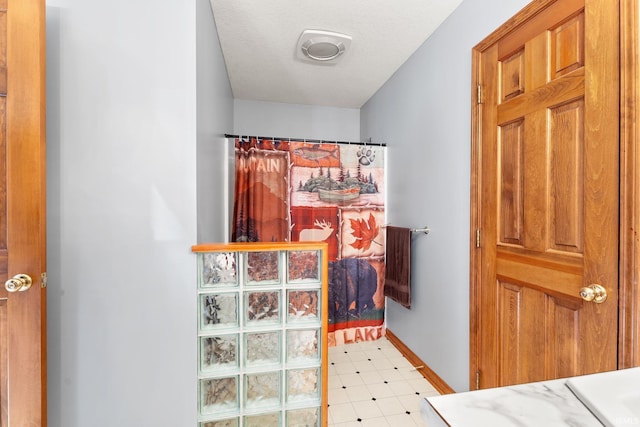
x,y
364,232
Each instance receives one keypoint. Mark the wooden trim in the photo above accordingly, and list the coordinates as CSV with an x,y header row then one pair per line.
x,y
629,297
525,14
257,246
324,340
475,226
437,382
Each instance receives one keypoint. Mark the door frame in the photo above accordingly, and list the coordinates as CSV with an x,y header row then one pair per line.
x,y
629,257
629,295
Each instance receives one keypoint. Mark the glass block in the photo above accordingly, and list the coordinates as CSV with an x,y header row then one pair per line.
x,y
302,345
308,417
218,352
229,422
262,390
263,420
263,268
218,310
303,305
303,266
303,384
219,269
218,395
262,307
262,348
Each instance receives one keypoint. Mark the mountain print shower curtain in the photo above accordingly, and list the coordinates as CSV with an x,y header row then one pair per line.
x,y
300,191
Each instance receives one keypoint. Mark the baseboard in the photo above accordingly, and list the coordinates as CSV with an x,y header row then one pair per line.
x,y
437,382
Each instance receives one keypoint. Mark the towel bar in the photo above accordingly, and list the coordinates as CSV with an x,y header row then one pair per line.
x,y
424,230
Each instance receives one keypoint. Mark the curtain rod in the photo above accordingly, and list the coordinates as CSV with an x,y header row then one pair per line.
x,y
314,141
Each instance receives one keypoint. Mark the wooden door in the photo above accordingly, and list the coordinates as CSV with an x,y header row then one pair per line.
x,y
22,198
545,194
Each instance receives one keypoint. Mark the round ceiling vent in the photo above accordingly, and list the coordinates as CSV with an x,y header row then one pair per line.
x,y
323,46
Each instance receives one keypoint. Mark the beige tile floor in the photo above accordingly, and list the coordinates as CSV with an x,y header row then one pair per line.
x,y
371,384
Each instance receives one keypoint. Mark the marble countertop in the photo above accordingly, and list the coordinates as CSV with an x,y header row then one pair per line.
x,y
545,403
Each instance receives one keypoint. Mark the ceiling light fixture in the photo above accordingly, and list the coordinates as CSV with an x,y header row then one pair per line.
x,y
323,46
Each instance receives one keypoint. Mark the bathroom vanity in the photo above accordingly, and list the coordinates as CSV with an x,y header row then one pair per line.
x,y
262,339
609,399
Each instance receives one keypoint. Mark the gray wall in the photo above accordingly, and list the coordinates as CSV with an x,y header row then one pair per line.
x,y
215,118
296,121
124,128
134,122
423,113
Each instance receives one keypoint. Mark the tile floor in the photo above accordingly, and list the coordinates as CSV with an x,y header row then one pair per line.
x,y
371,384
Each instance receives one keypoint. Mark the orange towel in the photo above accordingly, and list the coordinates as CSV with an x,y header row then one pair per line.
x,y
397,285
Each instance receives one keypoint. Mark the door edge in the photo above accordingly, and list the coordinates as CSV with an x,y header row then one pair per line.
x,y
629,297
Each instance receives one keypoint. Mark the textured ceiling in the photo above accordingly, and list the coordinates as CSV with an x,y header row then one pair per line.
x,y
259,38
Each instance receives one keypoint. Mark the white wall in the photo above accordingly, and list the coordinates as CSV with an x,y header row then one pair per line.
x,y
423,113
276,119
122,142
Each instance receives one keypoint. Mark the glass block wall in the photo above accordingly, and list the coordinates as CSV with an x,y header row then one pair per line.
x,y
262,347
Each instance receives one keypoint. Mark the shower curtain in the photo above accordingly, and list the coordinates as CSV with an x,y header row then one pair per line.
x,y
333,192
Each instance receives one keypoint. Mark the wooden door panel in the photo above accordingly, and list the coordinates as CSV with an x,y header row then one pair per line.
x,y
563,358
512,76
548,196
567,47
511,181
528,352
22,212
566,183
520,333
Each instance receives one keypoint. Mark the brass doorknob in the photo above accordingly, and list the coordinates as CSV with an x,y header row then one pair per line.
x,y
595,293
19,282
